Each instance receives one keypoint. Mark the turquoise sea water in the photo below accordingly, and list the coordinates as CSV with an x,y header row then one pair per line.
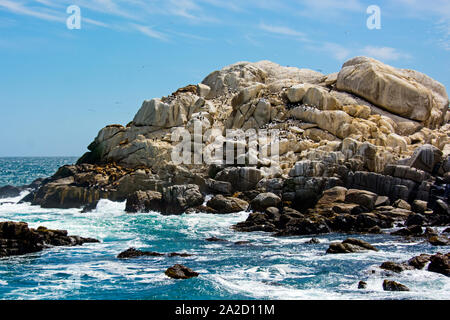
x,y
268,268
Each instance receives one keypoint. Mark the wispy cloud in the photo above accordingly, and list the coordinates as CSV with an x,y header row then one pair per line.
x,y
19,8
149,32
282,30
384,53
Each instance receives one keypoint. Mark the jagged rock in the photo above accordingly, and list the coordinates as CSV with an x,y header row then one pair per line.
x,y
403,92
389,285
265,200
179,271
9,192
227,204
222,187
177,199
440,263
16,238
144,201
350,246
424,158
242,179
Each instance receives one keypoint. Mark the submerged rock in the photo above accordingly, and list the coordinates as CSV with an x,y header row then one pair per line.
x,y
179,271
16,238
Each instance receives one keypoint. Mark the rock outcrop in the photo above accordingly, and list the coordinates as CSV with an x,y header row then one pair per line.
x,y
16,238
379,133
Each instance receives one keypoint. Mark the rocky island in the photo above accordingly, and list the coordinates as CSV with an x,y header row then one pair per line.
x,y
358,151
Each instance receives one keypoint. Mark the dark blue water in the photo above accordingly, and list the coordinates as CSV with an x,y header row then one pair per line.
x,y
269,268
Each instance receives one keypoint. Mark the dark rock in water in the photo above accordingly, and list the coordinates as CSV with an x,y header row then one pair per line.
x,y
28,198
446,230
389,285
177,199
16,238
134,253
265,200
242,243
419,262
362,285
415,220
173,200
440,263
144,201
179,271
410,231
225,205
313,241
214,239
177,254
9,192
89,207
438,241
350,246
395,267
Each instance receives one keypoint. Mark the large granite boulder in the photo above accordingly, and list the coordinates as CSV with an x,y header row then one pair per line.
x,y
407,93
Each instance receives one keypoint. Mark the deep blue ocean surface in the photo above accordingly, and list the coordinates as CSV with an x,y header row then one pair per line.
x,y
268,268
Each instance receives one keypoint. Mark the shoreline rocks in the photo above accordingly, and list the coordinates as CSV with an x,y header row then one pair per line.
x,y
16,238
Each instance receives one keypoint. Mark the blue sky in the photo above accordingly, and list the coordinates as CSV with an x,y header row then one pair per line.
x,y
59,87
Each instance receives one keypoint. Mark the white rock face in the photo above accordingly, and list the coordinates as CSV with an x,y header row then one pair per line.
x,y
407,93
244,74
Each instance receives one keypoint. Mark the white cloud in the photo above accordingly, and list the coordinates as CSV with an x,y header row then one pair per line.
x,y
384,53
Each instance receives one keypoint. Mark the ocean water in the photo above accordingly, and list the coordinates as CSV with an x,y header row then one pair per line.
x,y
268,268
